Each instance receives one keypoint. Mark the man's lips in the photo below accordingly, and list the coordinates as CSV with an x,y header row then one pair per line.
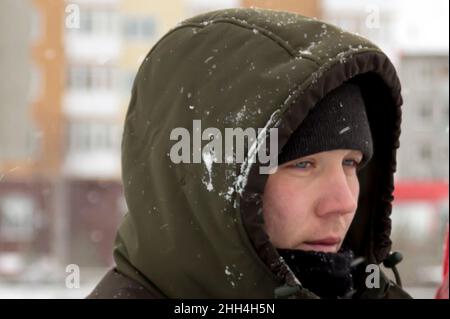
x,y
328,241
329,244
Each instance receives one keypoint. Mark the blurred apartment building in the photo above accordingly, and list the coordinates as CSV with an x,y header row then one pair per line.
x,y
30,129
61,197
60,189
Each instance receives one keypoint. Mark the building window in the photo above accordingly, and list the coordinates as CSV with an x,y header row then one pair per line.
x,y
16,218
35,88
93,136
426,152
36,24
33,140
139,28
131,28
76,77
426,110
148,27
99,22
90,77
86,21
101,77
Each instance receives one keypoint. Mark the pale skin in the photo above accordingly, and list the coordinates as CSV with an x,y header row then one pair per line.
x,y
310,202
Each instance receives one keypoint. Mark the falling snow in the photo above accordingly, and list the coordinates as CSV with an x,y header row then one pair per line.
x,y
208,160
307,51
347,128
233,276
209,59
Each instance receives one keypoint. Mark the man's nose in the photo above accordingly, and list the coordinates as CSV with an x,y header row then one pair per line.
x,y
336,196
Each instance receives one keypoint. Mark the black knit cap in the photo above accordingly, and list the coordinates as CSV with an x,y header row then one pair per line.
x,y
338,121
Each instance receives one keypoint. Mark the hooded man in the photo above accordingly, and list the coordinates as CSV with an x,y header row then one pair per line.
x,y
210,229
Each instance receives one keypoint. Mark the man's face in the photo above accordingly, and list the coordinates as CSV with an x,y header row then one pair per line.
x,y
310,202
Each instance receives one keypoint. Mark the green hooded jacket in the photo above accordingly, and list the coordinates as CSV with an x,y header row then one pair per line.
x,y
194,230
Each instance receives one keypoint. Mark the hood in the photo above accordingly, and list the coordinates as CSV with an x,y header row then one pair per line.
x,y
194,230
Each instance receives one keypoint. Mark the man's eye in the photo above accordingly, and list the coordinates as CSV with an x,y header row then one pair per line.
x,y
351,162
303,165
